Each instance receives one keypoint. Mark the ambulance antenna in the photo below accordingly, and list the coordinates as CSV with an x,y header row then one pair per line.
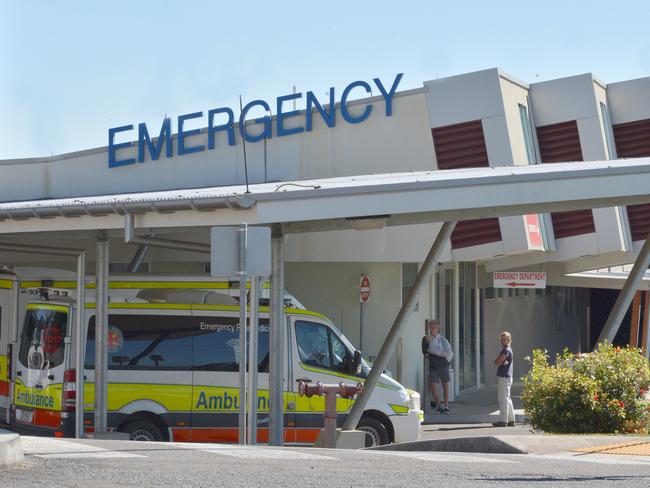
x,y
243,131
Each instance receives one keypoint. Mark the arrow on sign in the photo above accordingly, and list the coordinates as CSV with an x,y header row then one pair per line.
x,y
515,284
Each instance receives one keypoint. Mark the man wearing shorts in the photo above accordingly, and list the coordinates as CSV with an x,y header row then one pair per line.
x,y
439,352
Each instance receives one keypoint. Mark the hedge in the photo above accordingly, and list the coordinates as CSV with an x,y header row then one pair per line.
x,y
600,392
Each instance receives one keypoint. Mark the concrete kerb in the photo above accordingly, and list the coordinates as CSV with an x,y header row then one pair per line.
x,y
11,450
513,444
481,444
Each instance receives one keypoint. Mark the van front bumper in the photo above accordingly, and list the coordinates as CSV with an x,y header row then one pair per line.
x,y
407,427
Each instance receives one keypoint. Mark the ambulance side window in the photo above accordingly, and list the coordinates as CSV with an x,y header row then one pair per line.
x,y
216,344
340,353
145,342
319,346
313,344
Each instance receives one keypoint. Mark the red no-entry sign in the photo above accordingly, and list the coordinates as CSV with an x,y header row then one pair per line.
x,y
364,289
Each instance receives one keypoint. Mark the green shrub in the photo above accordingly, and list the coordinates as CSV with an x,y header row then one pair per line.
x,y
603,391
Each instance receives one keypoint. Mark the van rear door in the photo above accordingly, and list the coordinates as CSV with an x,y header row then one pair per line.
x,y
42,359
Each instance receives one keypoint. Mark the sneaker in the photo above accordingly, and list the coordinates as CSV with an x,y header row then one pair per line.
x,y
511,423
440,410
499,424
446,410
433,404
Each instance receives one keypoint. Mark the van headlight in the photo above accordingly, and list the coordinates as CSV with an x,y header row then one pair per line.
x,y
414,399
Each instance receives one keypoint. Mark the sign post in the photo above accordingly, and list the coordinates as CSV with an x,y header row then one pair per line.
x,y
244,251
364,296
519,279
243,279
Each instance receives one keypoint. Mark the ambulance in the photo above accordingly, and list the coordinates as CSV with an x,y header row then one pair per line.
x,y
173,368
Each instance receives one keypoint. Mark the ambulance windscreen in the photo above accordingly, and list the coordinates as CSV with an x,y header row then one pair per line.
x,y
42,345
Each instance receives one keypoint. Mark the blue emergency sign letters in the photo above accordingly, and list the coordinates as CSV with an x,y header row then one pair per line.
x,y
328,113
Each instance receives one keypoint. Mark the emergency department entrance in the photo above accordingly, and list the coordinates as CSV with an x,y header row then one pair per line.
x,y
335,195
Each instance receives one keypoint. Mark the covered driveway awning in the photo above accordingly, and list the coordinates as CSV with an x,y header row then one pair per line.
x,y
340,203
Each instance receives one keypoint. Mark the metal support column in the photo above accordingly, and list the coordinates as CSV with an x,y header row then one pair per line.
x,y
477,327
80,345
101,333
396,330
627,293
645,335
13,343
455,341
276,340
253,320
243,278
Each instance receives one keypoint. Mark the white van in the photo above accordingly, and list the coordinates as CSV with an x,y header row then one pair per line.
x,y
173,372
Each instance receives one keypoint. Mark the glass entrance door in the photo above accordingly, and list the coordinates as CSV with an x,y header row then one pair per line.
x,y
467,353
456,308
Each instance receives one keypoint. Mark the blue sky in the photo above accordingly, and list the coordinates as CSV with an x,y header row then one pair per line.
x,y
70,70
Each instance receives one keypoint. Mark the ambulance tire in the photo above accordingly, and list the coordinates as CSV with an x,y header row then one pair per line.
x,y
142,430
376,432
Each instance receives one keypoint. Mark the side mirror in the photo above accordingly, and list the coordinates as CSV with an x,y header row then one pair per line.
x,y
355,363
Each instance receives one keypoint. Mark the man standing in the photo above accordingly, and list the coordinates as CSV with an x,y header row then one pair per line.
x,y
439,352
504,381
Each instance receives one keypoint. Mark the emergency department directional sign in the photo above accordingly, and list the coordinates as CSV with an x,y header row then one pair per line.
x,y
519,279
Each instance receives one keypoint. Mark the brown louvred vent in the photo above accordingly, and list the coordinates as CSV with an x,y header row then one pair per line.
x,y
463,146
561,143
633,141
474,232
460,146
639,218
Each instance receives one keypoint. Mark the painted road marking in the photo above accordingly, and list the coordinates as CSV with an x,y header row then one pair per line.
x,y
44,447
444,457
264,453
597,459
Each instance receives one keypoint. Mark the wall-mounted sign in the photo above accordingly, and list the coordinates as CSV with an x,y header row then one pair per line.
x,y
223,120
519,279
534,232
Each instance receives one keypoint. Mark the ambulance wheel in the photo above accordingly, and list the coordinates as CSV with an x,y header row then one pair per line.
x,y
142,430
376,432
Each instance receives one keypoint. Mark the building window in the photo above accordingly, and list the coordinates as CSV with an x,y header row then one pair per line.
x,y
607,129
124,268
528,134
409,274
489,294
